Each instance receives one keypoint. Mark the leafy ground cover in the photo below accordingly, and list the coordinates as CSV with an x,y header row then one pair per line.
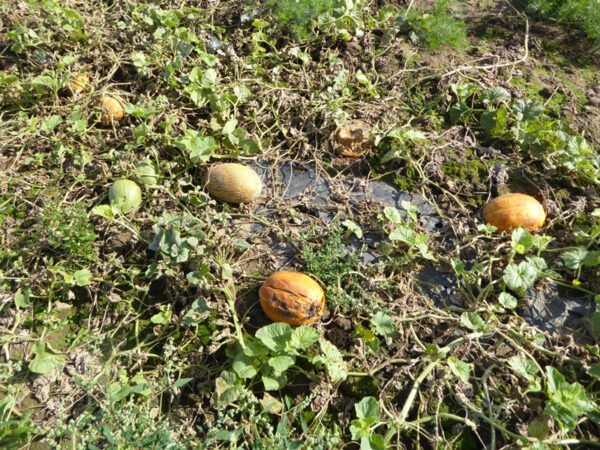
x,y
143,328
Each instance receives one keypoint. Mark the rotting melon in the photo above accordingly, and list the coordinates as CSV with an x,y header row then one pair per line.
x,y
352,140
292,297
113,109
78,83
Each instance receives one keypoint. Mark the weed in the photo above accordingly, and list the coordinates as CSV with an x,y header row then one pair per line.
x,y
583,14
523,122
18,429
117,425
69,233
403,232
338,268
304,17
433,29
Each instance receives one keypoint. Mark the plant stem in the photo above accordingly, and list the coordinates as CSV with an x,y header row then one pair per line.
x,y
229,291
494,424
413,392
415,388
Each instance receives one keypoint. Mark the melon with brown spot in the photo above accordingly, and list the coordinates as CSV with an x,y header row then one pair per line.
x,y
113,109
511,211
78,83
233,183
292,297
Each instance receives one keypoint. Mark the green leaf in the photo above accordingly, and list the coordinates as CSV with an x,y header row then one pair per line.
x,y
567,401
415,135
172,244
198,312
118,392
163,317
331,358
44,81
495,95
359,429
578,146
243,366
456,111
526,110
361,77
139,60
231,436
574,257
488,120
521,277
195,277
209,78
242,243
303,337
376,442
249,146
282,363
199,147
79,126
105,211
403,134
464,90
507,300
182,382
8,79
524,367
45,359
229,126
539,429
273,383
595,370
424,248
139,111
197,95
82,277
522,240
384,325
276,336
538,263
372,342
242,93
460,369
473,322
227,388
403,234
353,227
392,214
541,242
42,364
51,123
411,209
22,298
368,410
